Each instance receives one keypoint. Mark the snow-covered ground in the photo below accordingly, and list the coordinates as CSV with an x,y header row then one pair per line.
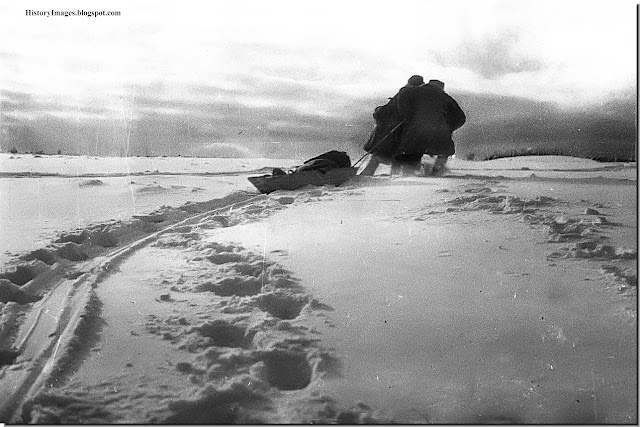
x,y
45,195
504,291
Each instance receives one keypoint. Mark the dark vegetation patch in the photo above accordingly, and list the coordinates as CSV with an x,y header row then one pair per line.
x,y
492,152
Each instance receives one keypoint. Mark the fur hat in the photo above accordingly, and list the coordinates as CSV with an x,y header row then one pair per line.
x,y
436,83
415,80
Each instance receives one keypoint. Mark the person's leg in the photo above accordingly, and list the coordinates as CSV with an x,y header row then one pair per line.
x,y
396,167
439,165
372,165
411,164
400,163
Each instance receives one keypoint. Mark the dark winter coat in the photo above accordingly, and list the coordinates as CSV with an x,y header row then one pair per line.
x,y
384,141
431,116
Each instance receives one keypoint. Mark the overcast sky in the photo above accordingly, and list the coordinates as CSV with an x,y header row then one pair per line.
x,y
308,57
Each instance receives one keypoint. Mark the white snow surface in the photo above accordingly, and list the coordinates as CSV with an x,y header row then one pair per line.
x,y
160,290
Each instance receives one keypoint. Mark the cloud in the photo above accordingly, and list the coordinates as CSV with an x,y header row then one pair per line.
x,y
277,116
20,105
11,98
491,55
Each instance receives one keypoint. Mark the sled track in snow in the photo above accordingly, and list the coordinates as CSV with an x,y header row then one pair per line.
x,y
75,300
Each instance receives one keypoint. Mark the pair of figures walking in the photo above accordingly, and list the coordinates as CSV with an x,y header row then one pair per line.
x,y
418,120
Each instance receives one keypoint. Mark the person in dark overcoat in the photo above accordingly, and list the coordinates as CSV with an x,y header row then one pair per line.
x,y
385,138
430,116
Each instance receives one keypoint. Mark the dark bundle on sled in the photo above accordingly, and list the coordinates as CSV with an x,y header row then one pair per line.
x,y
330,168
326,161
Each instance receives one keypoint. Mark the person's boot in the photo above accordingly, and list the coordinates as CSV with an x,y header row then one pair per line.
x,y
410,169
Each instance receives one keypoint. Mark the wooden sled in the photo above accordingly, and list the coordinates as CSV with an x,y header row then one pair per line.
x,y
268,183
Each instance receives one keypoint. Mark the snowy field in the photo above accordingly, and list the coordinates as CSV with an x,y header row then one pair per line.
x,y
167,290
75,191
